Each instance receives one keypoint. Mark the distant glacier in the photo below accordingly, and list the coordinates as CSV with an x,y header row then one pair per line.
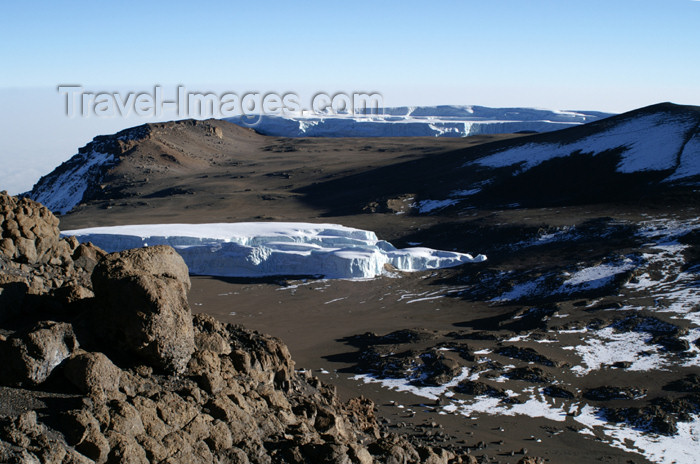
x,y
419,121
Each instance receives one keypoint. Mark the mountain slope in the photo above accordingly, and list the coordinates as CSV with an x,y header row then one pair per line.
x,y
107,165
213,166
639,154
651,139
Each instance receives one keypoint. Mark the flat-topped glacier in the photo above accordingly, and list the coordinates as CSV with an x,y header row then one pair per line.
x,y
259,249
418,121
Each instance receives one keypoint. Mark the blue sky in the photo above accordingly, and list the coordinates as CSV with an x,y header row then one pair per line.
x,y
613,55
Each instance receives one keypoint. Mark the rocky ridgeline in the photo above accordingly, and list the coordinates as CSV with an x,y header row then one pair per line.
x,y
103,362
94,172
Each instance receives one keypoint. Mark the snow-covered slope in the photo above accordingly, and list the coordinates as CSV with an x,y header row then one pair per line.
x,y
651,142
256,249
66,191
436,121
630,156
65,186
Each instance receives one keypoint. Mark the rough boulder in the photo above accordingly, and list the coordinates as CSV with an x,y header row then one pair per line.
x,y
141,296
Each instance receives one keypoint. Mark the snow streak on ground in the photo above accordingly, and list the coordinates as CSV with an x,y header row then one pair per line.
x,y
442,292
606,347
427,206
583,279
681,448
678,449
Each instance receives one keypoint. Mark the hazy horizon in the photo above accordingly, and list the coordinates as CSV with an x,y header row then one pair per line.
x,y
595,56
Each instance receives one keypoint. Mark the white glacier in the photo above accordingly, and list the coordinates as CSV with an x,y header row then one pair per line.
x,y
435,121
258,249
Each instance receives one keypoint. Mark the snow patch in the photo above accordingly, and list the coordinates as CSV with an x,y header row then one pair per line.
x,y
535,406
64,192
404,385
598,276
681,448
522,290
427,206
606,347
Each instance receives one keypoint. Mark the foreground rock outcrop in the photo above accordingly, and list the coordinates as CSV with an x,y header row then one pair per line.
x,y
151,284
103,362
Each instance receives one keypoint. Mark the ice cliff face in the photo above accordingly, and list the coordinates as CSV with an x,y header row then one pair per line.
x,y
435,121
272,248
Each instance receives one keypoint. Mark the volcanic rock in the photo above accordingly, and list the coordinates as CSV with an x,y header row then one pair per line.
x,y
29,357
92,373
36,261
470,387
142,298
